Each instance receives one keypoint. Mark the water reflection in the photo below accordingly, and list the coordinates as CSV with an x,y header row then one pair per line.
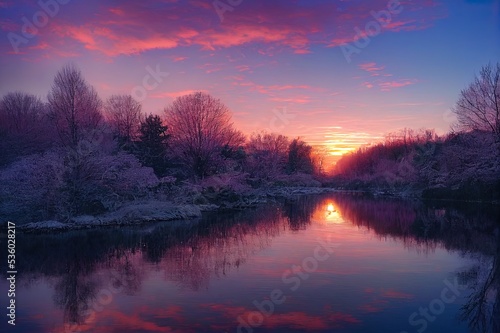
x,y
482,310
473,230
89,269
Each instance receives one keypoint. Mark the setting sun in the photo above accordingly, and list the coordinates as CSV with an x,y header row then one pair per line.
x,y
330,208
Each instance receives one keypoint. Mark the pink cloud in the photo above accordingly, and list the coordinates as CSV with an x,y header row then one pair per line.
x,y
211,68
294,319
396,294
387,86
372,68
195,23
176,59
378,71
271,89
175,94
292,99
112,44
302,51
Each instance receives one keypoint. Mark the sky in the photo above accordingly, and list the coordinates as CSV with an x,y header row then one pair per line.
x,y
338,73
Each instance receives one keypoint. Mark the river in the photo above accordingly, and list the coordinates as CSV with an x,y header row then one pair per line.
x,y
323,263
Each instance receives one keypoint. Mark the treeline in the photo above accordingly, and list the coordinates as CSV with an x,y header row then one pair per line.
x,y
463,165
76,154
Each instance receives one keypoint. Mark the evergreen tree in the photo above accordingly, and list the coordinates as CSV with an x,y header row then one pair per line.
x,y
152,146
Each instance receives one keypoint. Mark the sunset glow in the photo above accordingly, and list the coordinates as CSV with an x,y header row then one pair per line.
x,y
279,66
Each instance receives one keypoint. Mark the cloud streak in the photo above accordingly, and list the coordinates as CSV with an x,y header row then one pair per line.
x,y
137,27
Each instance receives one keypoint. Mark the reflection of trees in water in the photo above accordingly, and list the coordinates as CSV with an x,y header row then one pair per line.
x,y
471,229
423,225
73,291
190,253
299,211
482,309
77,291
83,263
215,246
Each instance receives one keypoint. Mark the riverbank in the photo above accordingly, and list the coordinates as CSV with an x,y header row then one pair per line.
x,y
190,208
134,213
129,214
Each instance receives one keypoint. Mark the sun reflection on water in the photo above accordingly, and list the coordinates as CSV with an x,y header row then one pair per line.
x,y
328,214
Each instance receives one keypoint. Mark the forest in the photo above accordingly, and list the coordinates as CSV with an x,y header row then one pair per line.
x,y
76,154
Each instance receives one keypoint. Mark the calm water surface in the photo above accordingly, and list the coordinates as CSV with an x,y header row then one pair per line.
x,y
331,263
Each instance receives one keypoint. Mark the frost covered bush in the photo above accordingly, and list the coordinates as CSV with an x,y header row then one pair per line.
x,y
296,180
228,181
121,176
61,184
32,187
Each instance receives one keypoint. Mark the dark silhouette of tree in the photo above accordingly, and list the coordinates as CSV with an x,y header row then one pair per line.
x,y
75,106
299,157
75,109
153,140
478,107
236,154
123,113
483,304
201,127
24,126
268,153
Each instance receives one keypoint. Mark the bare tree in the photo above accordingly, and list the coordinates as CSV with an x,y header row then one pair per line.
x,y
124,114
20,112
75,109
478,107
201,128
268,153
24,128
299,157
75,106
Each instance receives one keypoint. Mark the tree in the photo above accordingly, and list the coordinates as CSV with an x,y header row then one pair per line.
x,y
299,157
478,107
267,154
124,114
153,143
201,127
20,112
75,109
24,128
75,106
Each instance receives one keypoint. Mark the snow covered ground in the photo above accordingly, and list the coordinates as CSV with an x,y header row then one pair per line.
x,y
130,214
150,211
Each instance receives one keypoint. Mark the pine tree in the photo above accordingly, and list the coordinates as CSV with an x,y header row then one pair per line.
x,y
152,146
